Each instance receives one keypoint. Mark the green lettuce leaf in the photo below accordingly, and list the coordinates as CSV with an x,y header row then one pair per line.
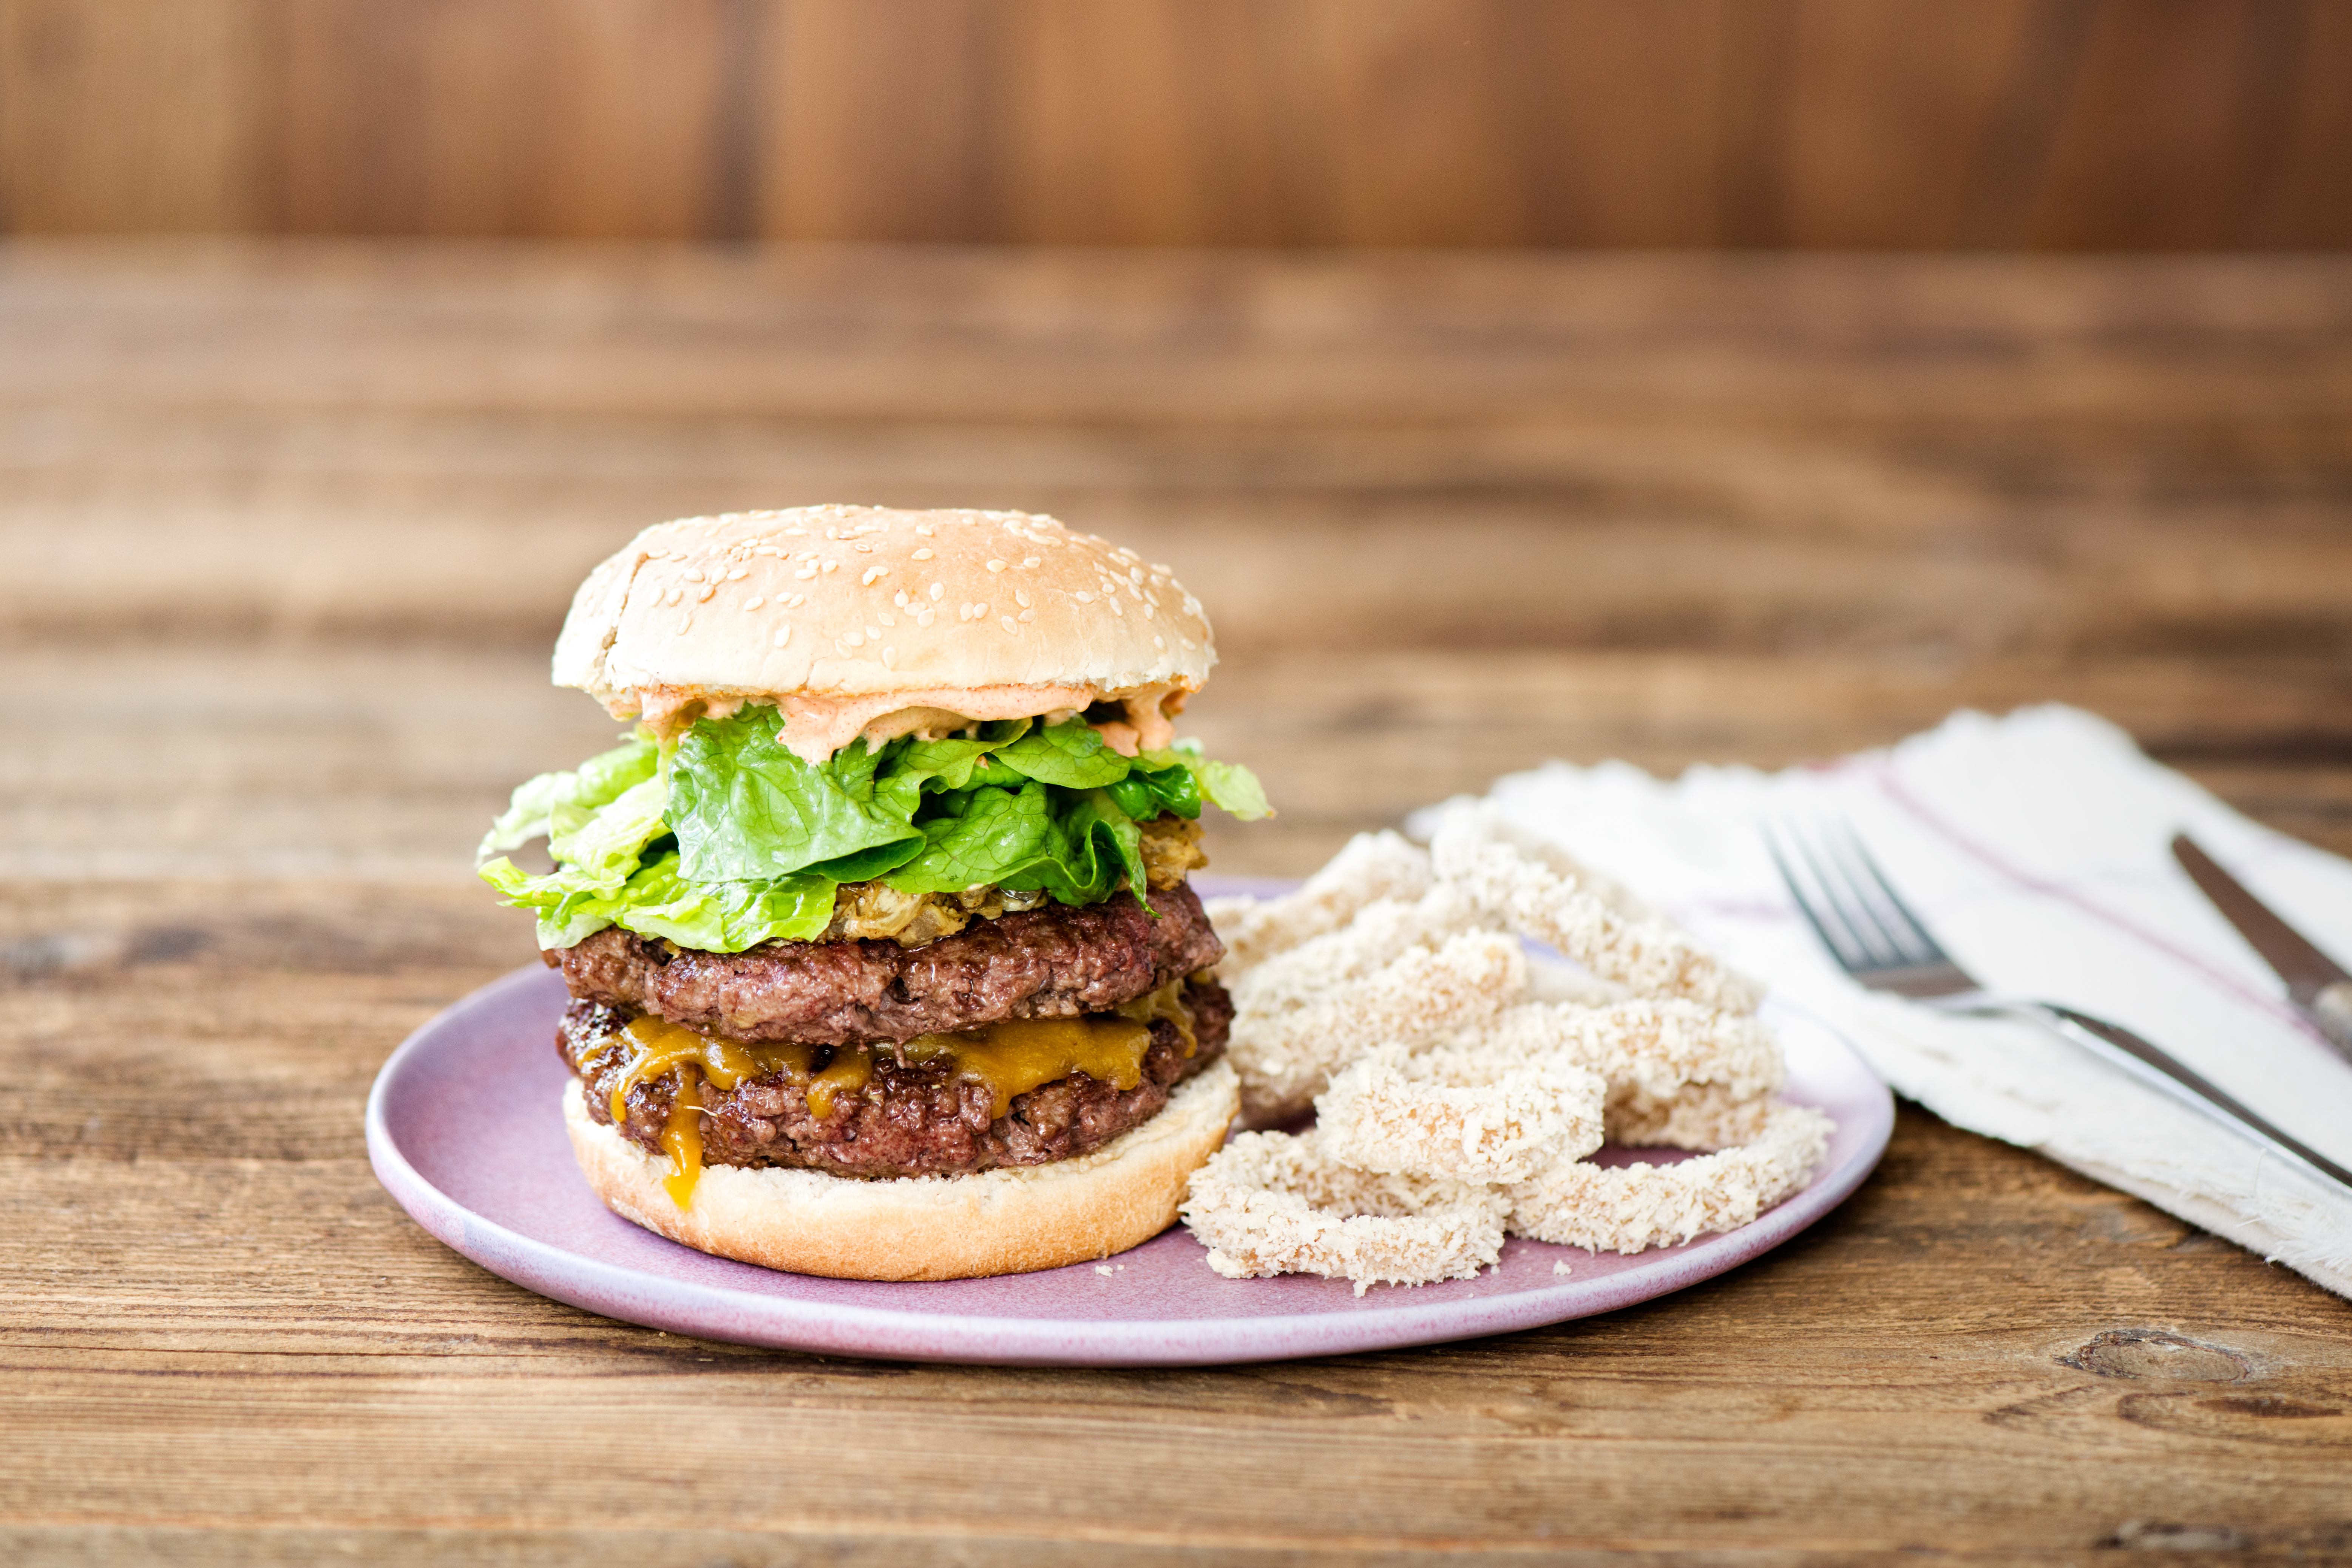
x,y
1071,754
730,840
604,845
1234,789
658,901
745,809
1074,846
561,802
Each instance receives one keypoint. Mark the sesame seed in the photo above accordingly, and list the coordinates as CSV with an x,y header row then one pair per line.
x,y
996,566
738,575
1115,609
754,601
1160,642
1083,597
979,610
890,658
862,548
1031,560
693,574
1028,615
874,632
1006,622
1021,599
922,555
783,636
673,596
924,617
832,565
805,573
855,638
833,533
899,599
1135,574
707,589
765,550
1147,612
887,619
938,592
925,529
874,574
1185,644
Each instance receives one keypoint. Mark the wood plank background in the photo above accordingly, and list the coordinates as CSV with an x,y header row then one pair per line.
x,y
2064,124
286,528
1453,513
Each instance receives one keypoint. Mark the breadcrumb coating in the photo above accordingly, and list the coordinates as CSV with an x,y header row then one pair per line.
x,y
1298,1038
1269,1203
1455,1080
1631,1207
1656,1047
1536,900
1475,1115
1374,867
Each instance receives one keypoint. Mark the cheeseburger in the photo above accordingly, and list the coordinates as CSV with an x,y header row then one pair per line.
x,y
882,957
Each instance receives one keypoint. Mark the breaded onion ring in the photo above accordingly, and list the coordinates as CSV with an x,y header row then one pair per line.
x,y
1285,1057
1458,1088
1631,1207
1268,1203
1381,931
1653,1049
1473,1114
1371,867
1538,901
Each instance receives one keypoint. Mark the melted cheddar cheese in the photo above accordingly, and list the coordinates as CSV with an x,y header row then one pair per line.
x,y
1008,1058
1018,1055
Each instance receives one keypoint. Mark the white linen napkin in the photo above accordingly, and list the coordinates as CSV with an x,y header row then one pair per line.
x,y
2035,848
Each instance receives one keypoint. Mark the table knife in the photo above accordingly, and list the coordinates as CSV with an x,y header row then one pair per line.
x,y
2315,983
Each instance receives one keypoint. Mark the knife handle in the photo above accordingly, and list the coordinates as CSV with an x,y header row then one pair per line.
x,y
2331,1009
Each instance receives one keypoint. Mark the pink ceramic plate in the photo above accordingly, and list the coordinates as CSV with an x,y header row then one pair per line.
x,y
464,1132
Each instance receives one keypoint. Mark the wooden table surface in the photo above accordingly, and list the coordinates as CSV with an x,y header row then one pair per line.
x,y
285,533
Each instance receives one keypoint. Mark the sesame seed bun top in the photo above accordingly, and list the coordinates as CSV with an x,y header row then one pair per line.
x,y
857,614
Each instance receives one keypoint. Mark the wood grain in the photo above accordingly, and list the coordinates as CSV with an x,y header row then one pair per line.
x,y
2064,124
284,531
171,1364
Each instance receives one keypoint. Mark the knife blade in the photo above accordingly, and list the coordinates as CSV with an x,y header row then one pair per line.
x,y
2318,985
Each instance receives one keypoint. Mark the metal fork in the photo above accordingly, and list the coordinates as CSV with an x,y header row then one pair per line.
x,y
1877,939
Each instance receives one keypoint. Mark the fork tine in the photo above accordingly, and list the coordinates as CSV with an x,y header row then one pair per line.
x,y
1877,947
1840,942
1918,946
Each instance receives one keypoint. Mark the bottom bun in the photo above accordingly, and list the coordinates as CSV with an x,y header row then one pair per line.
x,y
1004,1221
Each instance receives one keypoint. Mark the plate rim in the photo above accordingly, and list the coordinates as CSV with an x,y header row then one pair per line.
x,y
629,1295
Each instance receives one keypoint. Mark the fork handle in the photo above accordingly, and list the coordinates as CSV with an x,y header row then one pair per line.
x,y
2152,1066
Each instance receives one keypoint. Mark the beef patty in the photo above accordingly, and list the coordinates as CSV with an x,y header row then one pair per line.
x,y
907,1119
1055,962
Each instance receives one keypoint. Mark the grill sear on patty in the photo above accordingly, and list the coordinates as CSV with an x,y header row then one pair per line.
x,y
1055,962
907,1119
